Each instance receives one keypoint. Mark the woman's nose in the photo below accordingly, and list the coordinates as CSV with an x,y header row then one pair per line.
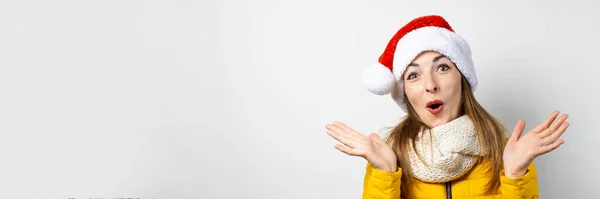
x,y
432,89
431,85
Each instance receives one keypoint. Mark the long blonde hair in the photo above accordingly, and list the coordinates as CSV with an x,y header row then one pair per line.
x,y
489,129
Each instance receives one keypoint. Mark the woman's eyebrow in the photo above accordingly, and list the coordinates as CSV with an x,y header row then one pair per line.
x,y
413,64
438,58
434,60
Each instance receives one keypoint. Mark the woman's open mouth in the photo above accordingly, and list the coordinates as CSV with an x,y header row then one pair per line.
x,y
435,106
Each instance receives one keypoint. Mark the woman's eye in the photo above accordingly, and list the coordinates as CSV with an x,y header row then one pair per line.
x,y
411,76
443,67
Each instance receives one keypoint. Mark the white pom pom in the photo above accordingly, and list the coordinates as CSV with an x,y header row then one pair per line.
x,y
378,79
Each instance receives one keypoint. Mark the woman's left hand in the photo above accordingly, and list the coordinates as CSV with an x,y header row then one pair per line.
x,y
520,151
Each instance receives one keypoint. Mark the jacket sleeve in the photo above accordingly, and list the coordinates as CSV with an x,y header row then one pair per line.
x,y
381,185
525,187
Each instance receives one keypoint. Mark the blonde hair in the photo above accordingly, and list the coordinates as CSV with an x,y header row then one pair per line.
x,y
489,129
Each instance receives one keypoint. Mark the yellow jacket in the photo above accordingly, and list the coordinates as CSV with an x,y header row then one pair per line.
x,y
380,184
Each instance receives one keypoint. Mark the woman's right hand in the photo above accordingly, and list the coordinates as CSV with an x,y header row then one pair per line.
x,y
372,148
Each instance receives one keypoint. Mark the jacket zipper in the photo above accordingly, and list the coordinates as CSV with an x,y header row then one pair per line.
x,y
448,190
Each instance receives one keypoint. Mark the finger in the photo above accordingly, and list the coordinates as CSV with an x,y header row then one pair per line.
x,y
551,147
341,135
544,125
341,138
559,122
345,149
348,129
517,131
553,137
345,133
337,129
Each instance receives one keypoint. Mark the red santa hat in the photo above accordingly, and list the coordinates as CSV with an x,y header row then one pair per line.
x,y
426,33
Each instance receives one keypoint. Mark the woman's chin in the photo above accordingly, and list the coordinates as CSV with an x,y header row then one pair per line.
x,y
438,119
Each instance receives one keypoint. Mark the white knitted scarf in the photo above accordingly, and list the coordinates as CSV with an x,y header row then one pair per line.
x,y
447,151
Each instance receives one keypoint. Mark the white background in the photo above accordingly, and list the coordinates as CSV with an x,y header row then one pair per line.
x,y
229,99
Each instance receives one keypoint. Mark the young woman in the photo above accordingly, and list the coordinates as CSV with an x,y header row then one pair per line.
x,y
448,145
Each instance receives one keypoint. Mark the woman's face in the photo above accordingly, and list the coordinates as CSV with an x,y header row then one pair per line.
x,y
432,84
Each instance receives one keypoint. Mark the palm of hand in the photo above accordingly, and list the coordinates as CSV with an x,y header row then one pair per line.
x,y
372,148
521,151
380,152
